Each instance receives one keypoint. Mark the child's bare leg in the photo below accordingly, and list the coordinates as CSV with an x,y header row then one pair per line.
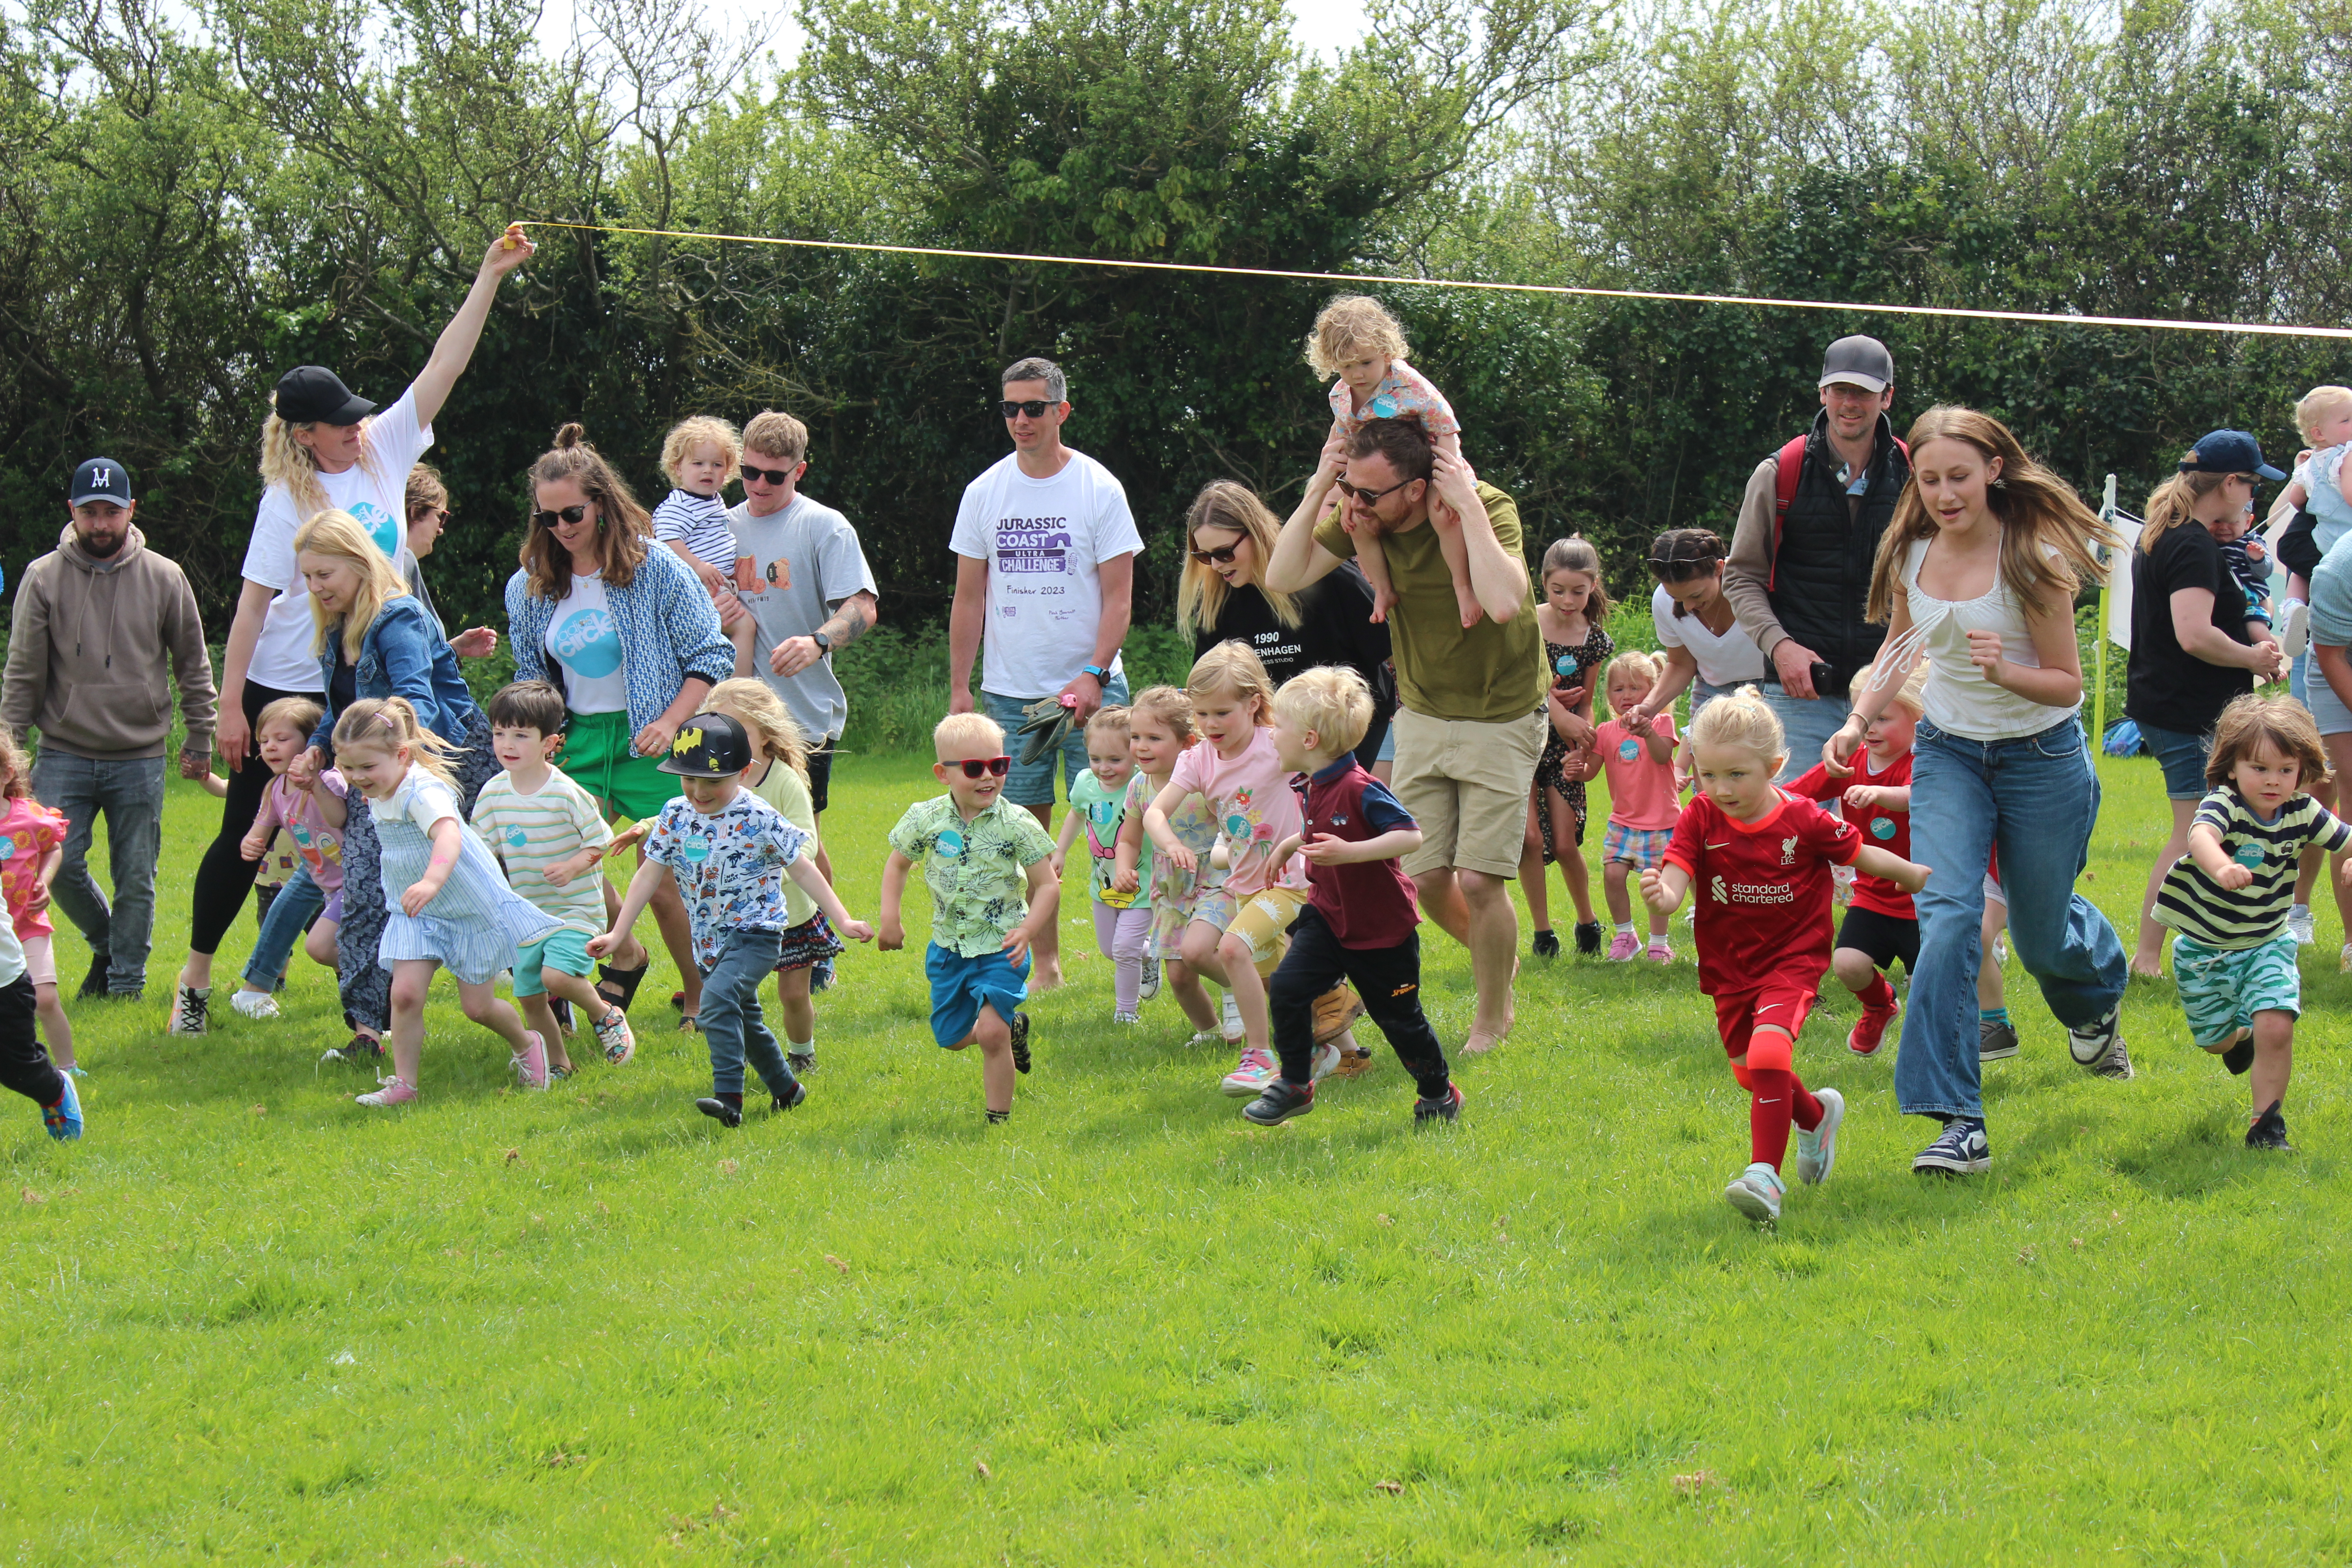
x,y
1532,884
1615,891
1184,985
669,915
538,1014
1248,987
485,1006
411,980
1569,854
588,1006
799,1012
2306,865
994,1038
318,945
56,1029
1457,563
1375,564
1200,939
631,952
2297,589
2274,1058
1853,969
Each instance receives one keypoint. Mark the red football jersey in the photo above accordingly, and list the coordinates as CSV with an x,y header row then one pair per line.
x,y
1763,890
1888,830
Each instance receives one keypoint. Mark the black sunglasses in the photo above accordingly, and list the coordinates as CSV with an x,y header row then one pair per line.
x,y
997,766
768,476
568,514
1367,497
1035,408
1215,557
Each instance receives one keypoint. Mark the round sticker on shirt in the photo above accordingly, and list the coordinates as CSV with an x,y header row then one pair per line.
x,y
517,838
1628,748
950,843
587,642
1881,827
696,848
380,525
2249,856
1382,408
8,849
1565,664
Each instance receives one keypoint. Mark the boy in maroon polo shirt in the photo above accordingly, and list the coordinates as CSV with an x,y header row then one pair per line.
x,y
1359,923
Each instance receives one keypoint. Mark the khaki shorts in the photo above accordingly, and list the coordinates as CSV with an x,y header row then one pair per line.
x,y
1467,784
1261,920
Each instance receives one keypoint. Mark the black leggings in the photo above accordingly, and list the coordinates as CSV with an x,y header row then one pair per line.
x,y
23,1065
225,878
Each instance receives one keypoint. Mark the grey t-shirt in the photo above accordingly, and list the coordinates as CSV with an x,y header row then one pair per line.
x,y
806,559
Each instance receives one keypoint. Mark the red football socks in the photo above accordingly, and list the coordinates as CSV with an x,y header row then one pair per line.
x,y
1878,995
1779,1100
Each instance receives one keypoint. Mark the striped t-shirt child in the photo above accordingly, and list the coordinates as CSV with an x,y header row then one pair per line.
x,y
528,833
698,522
2201,908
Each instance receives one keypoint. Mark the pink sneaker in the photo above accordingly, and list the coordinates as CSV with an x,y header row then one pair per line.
x,y
1659,952
1248,1080
395,1091
530,1064
1627,945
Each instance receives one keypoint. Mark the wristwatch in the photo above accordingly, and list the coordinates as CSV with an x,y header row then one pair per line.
x,y
1102,676
823,643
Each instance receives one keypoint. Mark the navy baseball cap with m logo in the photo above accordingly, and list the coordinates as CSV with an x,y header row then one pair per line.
x,y
100,479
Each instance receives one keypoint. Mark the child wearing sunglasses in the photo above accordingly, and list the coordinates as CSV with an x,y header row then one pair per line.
x,y
1356,340
989,866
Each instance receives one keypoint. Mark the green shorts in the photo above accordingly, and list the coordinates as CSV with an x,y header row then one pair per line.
x,y
565,950
2222,988
600,754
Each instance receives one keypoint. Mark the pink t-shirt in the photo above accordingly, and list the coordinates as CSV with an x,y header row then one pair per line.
x,y
1254,807
28,831
1641,788
320,846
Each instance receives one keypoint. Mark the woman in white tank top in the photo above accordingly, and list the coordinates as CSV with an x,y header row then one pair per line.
x,y
1976,574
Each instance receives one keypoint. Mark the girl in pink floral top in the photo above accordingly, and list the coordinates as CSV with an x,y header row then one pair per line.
x,y
32,847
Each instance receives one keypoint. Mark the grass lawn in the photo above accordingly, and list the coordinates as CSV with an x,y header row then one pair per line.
x,y
246,1321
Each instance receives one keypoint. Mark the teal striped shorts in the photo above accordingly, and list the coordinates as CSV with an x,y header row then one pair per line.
x,y
2222,988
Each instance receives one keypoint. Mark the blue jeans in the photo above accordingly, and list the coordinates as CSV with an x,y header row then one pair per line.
x,y
130,796
291,913
1034,784
2037,798
1809,722
732,1024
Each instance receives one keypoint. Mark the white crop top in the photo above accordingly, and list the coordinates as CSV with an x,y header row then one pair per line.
x,y
1959,701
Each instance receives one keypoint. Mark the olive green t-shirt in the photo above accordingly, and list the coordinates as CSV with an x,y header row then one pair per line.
x,y
1488,673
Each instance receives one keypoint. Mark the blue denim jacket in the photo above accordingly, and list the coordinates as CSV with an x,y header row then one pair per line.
x,y
667,625
403,655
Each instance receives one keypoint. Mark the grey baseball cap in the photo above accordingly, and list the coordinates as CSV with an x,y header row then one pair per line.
x,y
1859,362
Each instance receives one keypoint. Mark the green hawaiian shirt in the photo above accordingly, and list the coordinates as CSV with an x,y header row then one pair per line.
x,y
977,869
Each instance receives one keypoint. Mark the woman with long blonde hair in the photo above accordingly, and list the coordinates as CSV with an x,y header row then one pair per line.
x,y
2196,645
323,448
1976,575
1229,533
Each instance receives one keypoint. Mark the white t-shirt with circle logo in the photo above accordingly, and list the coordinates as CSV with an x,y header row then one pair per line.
x,y
1045,542
376,492
582,638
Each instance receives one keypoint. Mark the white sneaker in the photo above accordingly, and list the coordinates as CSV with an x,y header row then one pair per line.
x,y
1327,1061
1231,1016
1756,1192
255,1004
1150,986
1118,1018
189,1006
2295,628
1248,1080
1817,1149
2298,925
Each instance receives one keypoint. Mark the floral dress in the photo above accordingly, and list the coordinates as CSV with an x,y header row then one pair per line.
x,y
1590,660
1175,894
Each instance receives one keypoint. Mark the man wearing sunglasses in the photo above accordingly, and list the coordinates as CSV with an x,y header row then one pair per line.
x,y
1471,725
1046,550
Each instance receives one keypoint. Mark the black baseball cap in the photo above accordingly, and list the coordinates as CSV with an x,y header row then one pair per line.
x,y
1859,362
314,395
709,746
2229,452
100,479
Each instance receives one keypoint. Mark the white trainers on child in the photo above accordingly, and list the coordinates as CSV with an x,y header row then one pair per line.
x,y
255,1004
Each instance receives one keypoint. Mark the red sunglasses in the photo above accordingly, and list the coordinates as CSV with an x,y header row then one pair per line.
x,y
996,767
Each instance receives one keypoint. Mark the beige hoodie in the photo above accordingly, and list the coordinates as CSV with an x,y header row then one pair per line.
x,y
86,651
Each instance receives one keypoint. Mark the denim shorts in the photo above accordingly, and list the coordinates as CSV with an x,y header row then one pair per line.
x,y
2182,756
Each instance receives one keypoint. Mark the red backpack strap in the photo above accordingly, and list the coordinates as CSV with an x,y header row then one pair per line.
x,y
1791,462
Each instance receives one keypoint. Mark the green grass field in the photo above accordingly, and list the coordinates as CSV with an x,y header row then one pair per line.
x,y
246,1321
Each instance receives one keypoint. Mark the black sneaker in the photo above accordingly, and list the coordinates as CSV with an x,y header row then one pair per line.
x,y
94,982
2239,1057
1961,1149
360,1052
1020,1042
1995,1041
1587,937
793,1102
1546,943
802,1063
2099,1047
721,1112
1279,1101
2269,1130
1449,1109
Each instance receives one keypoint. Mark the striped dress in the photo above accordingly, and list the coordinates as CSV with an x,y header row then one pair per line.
x,y
475,922
2201,908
